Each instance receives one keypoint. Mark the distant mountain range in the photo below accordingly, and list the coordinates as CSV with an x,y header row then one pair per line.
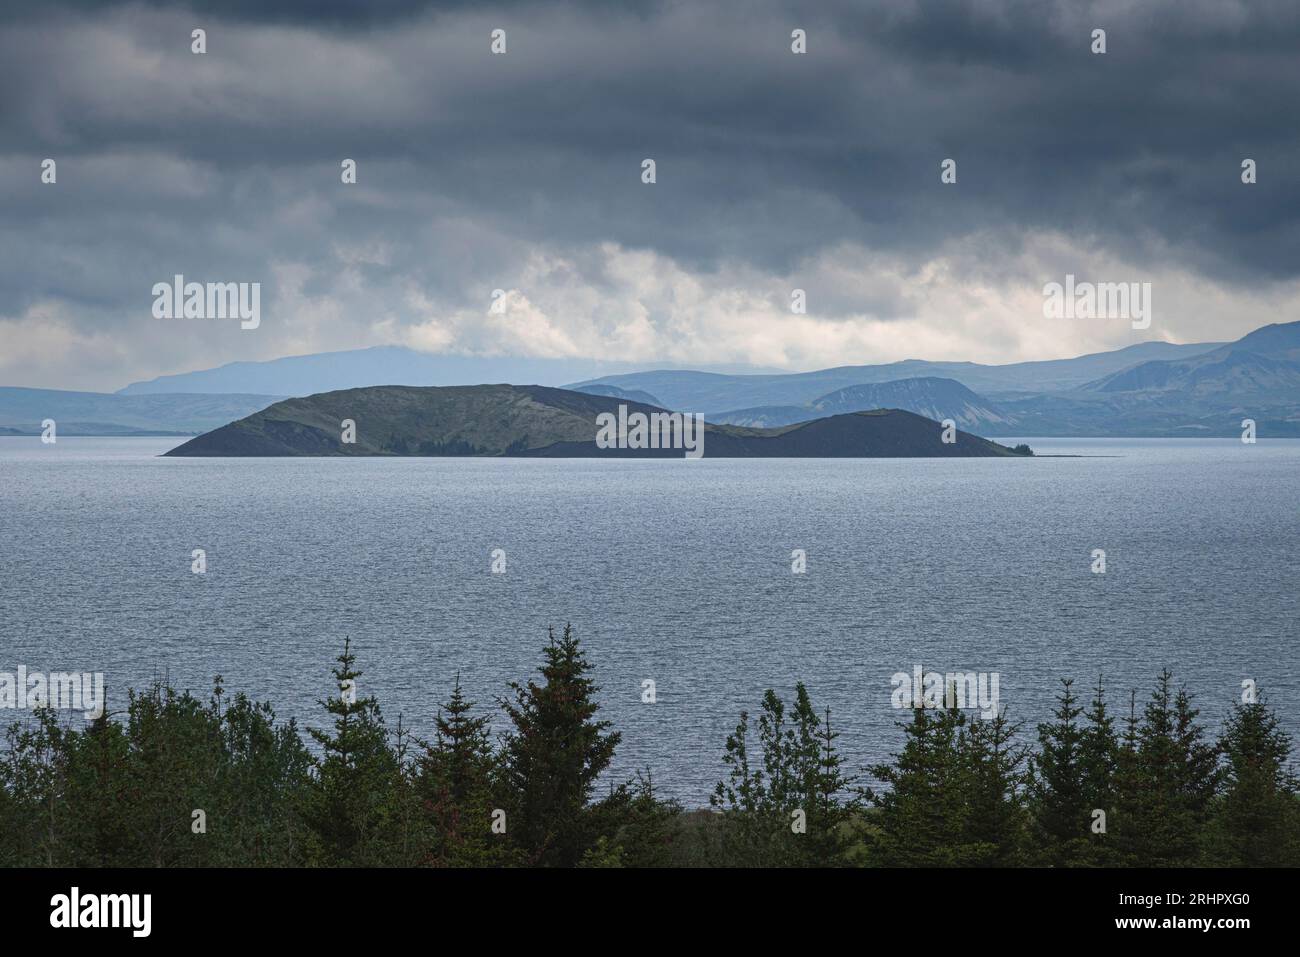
x,y
929,396
631,395
710,392
1153,389
1149,389
1256,377
537,421
379,365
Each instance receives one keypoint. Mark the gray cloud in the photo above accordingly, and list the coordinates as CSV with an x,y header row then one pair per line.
x,y
480,172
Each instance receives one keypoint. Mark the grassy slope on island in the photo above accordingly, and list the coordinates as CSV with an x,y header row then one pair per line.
x,y
544,422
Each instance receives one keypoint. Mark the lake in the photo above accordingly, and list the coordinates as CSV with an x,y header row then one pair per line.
x,y
677,571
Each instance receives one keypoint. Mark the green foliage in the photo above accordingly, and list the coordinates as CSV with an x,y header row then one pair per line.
x,y
1168,775
350,805
642,829
124,793
1061,812
554,755
1098,764
916,823
992,772
790,811
124,789
458,784
955,796
1256,819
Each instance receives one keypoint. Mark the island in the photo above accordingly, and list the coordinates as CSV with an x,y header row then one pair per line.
x,y
543,422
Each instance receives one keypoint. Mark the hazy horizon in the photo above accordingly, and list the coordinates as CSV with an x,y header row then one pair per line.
x,y
611,367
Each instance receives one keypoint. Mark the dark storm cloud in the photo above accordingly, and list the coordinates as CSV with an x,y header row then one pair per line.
x,y
313,12
222,163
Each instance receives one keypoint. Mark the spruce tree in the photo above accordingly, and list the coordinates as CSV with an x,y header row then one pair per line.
x,y
175,762
350,802
992,780
1060,809
1168,786
1198,761
1125,824
920,819
463,752
1256,820
458,784
1098,761
1164,834
554,755
833,798
97,796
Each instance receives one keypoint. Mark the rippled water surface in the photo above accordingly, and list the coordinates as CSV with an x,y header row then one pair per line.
x,y
673,570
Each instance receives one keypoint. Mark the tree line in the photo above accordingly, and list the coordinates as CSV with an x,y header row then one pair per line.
x,y
176,782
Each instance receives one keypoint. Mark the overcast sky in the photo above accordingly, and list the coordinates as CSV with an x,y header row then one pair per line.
x,y
522,172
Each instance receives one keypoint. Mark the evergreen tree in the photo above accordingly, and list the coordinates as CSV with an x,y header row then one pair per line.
x,y
955,797
462,756
1098,762
1169,782
349,806
1125,825
554,755
120,791
409,831
825,792
1060,810
637,828
795,809
96,797
1162,835
921,818
992,780
458,781
1256,820
174,763
265,772
1198,764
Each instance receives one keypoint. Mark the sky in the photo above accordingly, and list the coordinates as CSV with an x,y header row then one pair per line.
x,y
522,172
